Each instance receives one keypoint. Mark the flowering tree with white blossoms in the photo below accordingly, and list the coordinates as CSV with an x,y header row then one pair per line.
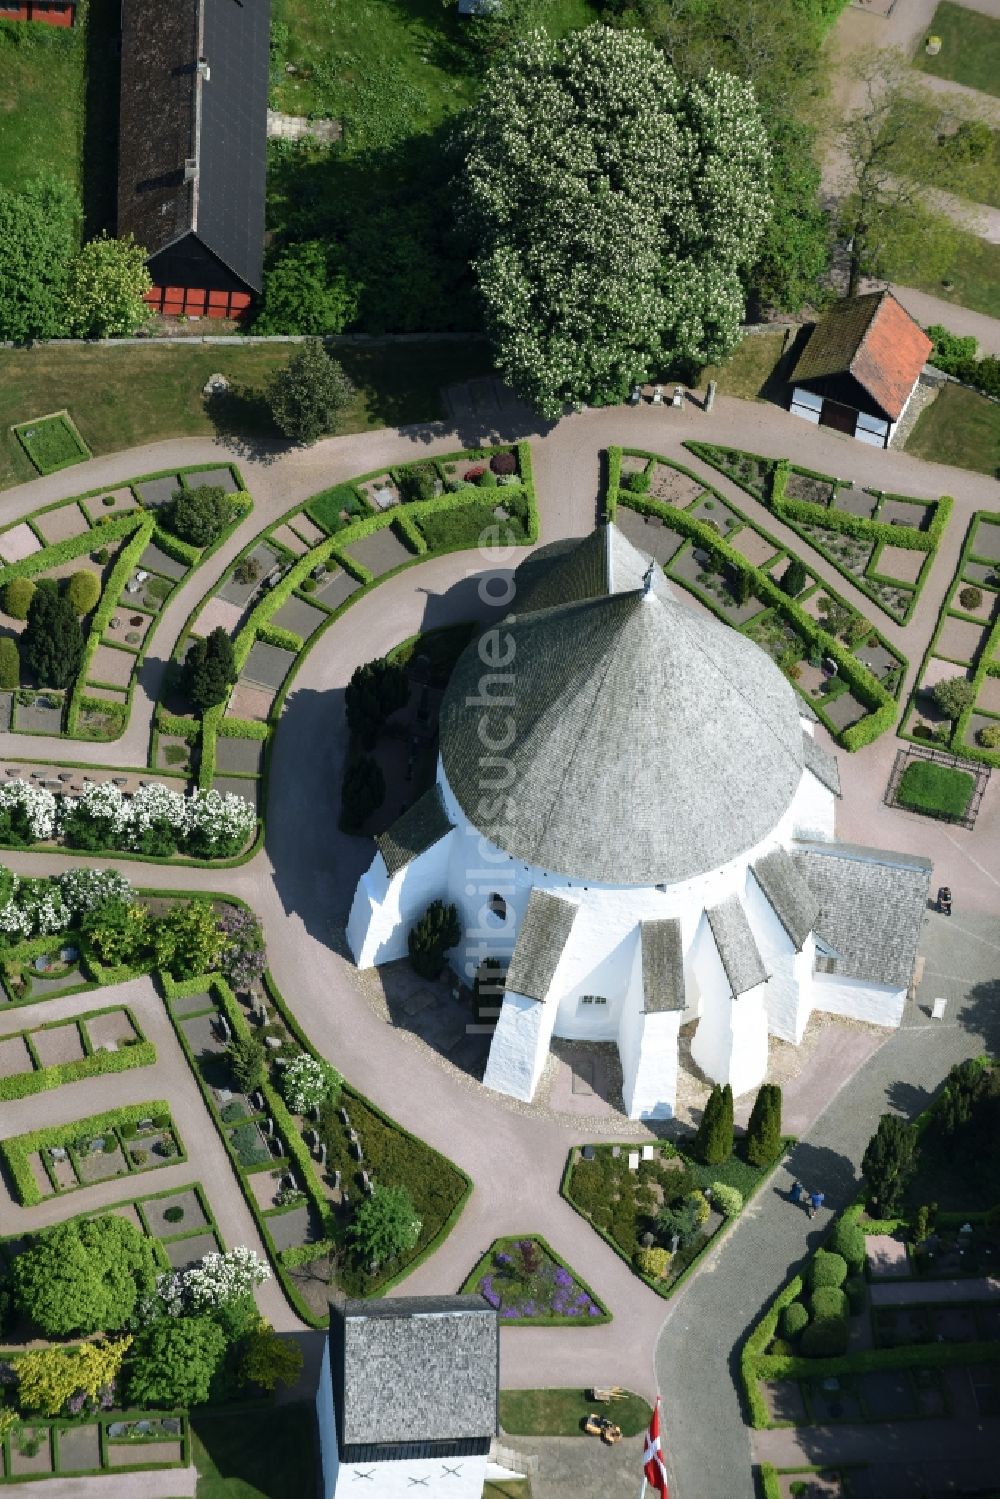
x,y
615,209
306,1083
26,812
213,1281
154,819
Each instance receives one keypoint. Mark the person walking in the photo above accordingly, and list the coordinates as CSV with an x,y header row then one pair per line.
x,y
816,1200
798,1194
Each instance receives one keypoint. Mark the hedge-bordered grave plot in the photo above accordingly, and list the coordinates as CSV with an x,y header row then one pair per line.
x,y
64,1157
288,584
52,442
845,670
882,543
64,1051
113,554
964,652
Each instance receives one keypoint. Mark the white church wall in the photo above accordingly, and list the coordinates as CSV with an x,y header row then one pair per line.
x,y
456,1477
327,1426
520,1046
787,992
653,1091
383,910
813,810
630,1027
730,1044
856,999
588,973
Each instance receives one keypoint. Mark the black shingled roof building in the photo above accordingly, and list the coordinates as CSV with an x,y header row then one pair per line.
x,y
192,155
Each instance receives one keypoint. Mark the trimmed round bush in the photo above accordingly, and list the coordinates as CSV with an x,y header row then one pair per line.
x,y
101,555
827,1304
83,590
504,463
848,1240
827,1269
989,737
970,598
17,597
824,1339
173,1214
729,1200
653,1262
794,1319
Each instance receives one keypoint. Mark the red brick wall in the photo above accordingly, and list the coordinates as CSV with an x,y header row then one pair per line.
x,y
58,14
192,301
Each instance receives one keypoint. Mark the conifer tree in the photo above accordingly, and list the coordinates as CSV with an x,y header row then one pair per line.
x,y
714,1140
764,1127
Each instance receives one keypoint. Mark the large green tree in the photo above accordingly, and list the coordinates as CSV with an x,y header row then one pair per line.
x,y
385,1224
38,238
52,643
199,515
307,290
894,162
83,1277
308,394
174,1361
107,282
616,209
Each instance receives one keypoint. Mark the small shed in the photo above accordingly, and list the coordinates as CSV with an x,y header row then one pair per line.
x,y
860,367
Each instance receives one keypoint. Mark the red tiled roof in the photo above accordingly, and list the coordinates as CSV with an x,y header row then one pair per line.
x,y
874,339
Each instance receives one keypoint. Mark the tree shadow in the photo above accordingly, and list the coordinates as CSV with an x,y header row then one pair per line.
x,y
242,420
820,1168
907,1099
777,386
980,1014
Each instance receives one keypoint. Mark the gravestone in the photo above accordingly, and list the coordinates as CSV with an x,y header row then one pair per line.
x,y
633,1160
269,1125
322,1160
336,1181
647,1152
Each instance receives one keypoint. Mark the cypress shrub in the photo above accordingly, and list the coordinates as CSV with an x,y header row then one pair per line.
x,y
431,937
714,1140
794,1319
764,1127
10,663
828,1304
827,1269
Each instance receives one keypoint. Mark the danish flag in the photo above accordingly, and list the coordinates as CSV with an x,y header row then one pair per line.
x,y
653,1470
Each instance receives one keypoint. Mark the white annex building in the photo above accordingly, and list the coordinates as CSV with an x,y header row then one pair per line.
x,y
408,1397
631,808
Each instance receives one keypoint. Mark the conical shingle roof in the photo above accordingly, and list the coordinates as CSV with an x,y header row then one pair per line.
x,y
639,742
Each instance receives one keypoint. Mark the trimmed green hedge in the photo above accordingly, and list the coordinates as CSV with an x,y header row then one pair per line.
x,y
241,728
120,573
769,1482
73,547
22,1084
798,513
883,707
16,1149
285,640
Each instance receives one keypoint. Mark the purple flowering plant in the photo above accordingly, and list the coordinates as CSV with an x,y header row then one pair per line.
x,y
525,1282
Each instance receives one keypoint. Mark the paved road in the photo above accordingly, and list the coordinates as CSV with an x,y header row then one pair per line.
x,y
302,881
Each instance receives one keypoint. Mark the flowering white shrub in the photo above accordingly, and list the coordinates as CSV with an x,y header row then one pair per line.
x,y
101,815
216,1279
38,807
85,890
220,819
306,1082
615,207
34,908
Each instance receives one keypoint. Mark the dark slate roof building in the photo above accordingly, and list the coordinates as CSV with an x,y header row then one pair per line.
x,y
871,906
414,1376
192,155
419,828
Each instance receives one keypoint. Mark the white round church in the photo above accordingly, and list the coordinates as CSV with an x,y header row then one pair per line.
x,y
632,813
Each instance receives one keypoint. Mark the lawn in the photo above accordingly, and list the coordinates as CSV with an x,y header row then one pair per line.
x,y
561,1413
979,180
749,368
972,280
51,443
41,102
266,1454
935,789
120,397
970,53
324,508
959,427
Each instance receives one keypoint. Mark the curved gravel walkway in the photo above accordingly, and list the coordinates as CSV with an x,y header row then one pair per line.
x,y
302,881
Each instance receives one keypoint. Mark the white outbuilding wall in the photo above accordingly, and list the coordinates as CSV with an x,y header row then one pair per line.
x,y
447,1478
856,999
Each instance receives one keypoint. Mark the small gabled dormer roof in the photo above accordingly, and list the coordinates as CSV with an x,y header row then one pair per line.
x,y
544,933
419,828
788,895
662,966
737,948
